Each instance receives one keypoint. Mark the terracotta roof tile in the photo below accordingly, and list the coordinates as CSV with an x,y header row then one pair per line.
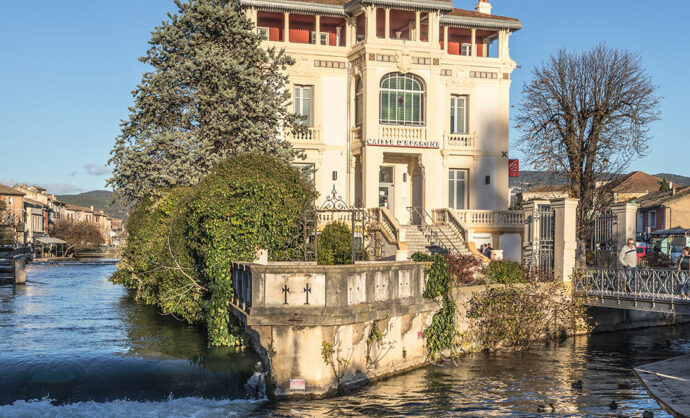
x,y
635,182
9,191
659,198
470,13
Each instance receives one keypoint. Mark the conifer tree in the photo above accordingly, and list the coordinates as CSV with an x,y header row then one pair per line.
x,y
212,92
664,185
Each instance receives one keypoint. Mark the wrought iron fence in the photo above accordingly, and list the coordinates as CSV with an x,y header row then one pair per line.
x,y
650,284
539,256
603,247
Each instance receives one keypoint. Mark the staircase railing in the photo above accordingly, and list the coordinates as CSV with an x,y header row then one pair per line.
x,y
432,232
449,218
387,224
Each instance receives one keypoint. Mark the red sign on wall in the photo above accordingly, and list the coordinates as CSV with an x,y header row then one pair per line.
x,y
513,168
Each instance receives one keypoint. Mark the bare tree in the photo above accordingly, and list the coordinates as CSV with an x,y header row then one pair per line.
x,y
586,116
79,235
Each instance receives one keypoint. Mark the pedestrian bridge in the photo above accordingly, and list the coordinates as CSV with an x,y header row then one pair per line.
x,y
653,290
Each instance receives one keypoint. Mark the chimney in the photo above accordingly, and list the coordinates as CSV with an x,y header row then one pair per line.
x,y
673,191
483,6
91,208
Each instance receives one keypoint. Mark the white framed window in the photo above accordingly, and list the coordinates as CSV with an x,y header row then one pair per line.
x,y
359,101
457,188
651,219
308,170
323,38
263,33
466,49
304,103
10,201
458,115
402,100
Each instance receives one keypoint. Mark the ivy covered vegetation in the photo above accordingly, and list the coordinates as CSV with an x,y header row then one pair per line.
x,y
522,311
181,245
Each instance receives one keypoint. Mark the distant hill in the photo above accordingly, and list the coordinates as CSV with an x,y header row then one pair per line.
x,y
675,178
529,179
100,200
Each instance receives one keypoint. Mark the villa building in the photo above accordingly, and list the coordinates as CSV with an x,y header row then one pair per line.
x,y
407,102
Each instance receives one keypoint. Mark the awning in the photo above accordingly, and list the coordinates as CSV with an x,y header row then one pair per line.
x,y
49,240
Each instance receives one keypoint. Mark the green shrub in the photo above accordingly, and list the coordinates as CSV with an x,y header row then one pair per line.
x,y
504,272
181,247
422,257
335,244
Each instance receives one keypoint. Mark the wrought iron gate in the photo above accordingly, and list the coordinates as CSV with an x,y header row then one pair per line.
x,y
540,252
602,244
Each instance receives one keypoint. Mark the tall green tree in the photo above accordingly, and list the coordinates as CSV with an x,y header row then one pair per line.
x,y
213,92
664,185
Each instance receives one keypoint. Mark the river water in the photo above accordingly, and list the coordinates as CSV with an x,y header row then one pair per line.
x,y
73,344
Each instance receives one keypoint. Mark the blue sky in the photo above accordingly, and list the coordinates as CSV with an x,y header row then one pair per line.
x,y
68,69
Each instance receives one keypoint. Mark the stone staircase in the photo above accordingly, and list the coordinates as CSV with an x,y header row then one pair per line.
x,y
417,242
6,266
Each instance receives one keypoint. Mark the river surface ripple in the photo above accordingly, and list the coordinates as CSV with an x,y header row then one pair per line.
x,y
73,344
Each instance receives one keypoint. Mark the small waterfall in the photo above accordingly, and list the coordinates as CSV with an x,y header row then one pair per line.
x,y
256,385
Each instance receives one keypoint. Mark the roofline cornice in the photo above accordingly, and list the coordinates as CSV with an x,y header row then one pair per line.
x,y
482,22
427,5
295,6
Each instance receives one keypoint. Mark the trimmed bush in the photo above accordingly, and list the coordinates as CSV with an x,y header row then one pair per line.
x,y
335,245
504,272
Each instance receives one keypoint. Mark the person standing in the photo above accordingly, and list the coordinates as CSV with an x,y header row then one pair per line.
x,y
683,264
628,259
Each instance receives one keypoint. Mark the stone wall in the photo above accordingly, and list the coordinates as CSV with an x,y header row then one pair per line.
x,y
345,307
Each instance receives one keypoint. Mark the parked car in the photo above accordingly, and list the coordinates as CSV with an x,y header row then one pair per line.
x,y
643,249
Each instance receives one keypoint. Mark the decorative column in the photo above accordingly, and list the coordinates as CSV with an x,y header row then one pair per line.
x,y
286,27
445,39
417,26
474,42
564,238
626,222
370,32
388,24
317,29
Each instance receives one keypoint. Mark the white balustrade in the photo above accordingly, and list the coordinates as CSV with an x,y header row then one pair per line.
x,y
310,135
490,218
460,142
402,132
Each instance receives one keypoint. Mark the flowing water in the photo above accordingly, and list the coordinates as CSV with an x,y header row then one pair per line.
x,y
73,344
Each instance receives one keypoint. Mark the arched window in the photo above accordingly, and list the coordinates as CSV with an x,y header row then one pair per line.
x,y
359,101
401,100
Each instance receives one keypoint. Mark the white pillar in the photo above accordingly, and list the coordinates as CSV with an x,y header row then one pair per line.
x,y
474,42
626,222
445,38
370,32
286,27
388,24
564,237
317,29
417,26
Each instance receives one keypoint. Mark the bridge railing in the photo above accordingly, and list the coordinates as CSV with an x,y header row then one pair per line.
x,y
653,284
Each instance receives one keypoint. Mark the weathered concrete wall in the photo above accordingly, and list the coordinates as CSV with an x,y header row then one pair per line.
x,y
612,319
345,304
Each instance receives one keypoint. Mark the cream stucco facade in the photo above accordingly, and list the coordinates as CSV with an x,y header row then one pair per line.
x,y
447,148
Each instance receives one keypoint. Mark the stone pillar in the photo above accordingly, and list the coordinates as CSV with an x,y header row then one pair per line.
x,y
286,27
402,253
317,29
626,222
445,39
370,25
261,256
19,271
474,42
417,26
564,239
388,24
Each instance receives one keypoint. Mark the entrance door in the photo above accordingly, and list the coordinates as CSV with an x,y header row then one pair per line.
x,y
386,190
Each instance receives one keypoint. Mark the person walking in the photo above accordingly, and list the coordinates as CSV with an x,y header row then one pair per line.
x,y
628,259
683,264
